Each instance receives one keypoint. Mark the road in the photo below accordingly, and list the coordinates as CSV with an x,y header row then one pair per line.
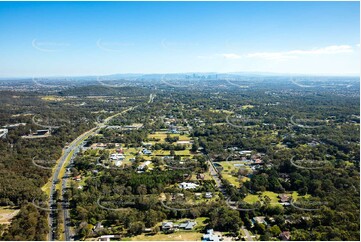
x,y
214,173
218,181
55,179
68,154
246,232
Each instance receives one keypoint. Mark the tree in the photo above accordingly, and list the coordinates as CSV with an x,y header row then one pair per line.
x,y
275,230
136,228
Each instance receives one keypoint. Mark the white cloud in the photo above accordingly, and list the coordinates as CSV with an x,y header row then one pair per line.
x,y
231,56
329,50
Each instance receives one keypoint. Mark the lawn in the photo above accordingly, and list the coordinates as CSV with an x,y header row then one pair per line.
x,y
183,152
232,179
52,98
7,213
252,198
229,168
158,135
162,135
295,196
247,106
177,236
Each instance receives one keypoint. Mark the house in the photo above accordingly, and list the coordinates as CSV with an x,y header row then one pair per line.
x,y
285,235
284,198
210,236
197,195
134,126
142,167
147,230
77,178
3,133
147,152
98,145
200,176
188,185
148,145
245,152
108,237
117,157
167,226
259,220
258,161
98,227
208,195
187,225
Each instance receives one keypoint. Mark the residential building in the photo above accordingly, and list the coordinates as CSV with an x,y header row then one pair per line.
x,y
285,235
210,236
188,185
167,226
188,225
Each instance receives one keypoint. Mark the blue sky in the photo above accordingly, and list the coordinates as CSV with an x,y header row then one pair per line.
x,y
97,38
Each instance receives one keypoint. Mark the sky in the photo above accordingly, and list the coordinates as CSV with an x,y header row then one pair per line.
x,y
100,38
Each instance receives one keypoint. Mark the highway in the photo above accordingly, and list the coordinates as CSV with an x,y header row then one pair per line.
x,y
68,154
55,179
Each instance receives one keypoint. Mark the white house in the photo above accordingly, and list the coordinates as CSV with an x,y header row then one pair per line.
x,y
188,185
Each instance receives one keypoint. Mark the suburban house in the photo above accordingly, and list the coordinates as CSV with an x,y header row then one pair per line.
x,y
259,220
108,237
77,178
3,133
117,157
98,227
98,146
200,176
210,236
187,225
188,185
284,198
147,152
285,235
142,166
197,195
208,195
166,226
245,152
134,126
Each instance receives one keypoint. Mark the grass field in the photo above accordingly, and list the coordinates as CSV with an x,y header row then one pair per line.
x,y
229,168
181,235
52,98
177,236
252,198
7,213
162,135
232,179
247,106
